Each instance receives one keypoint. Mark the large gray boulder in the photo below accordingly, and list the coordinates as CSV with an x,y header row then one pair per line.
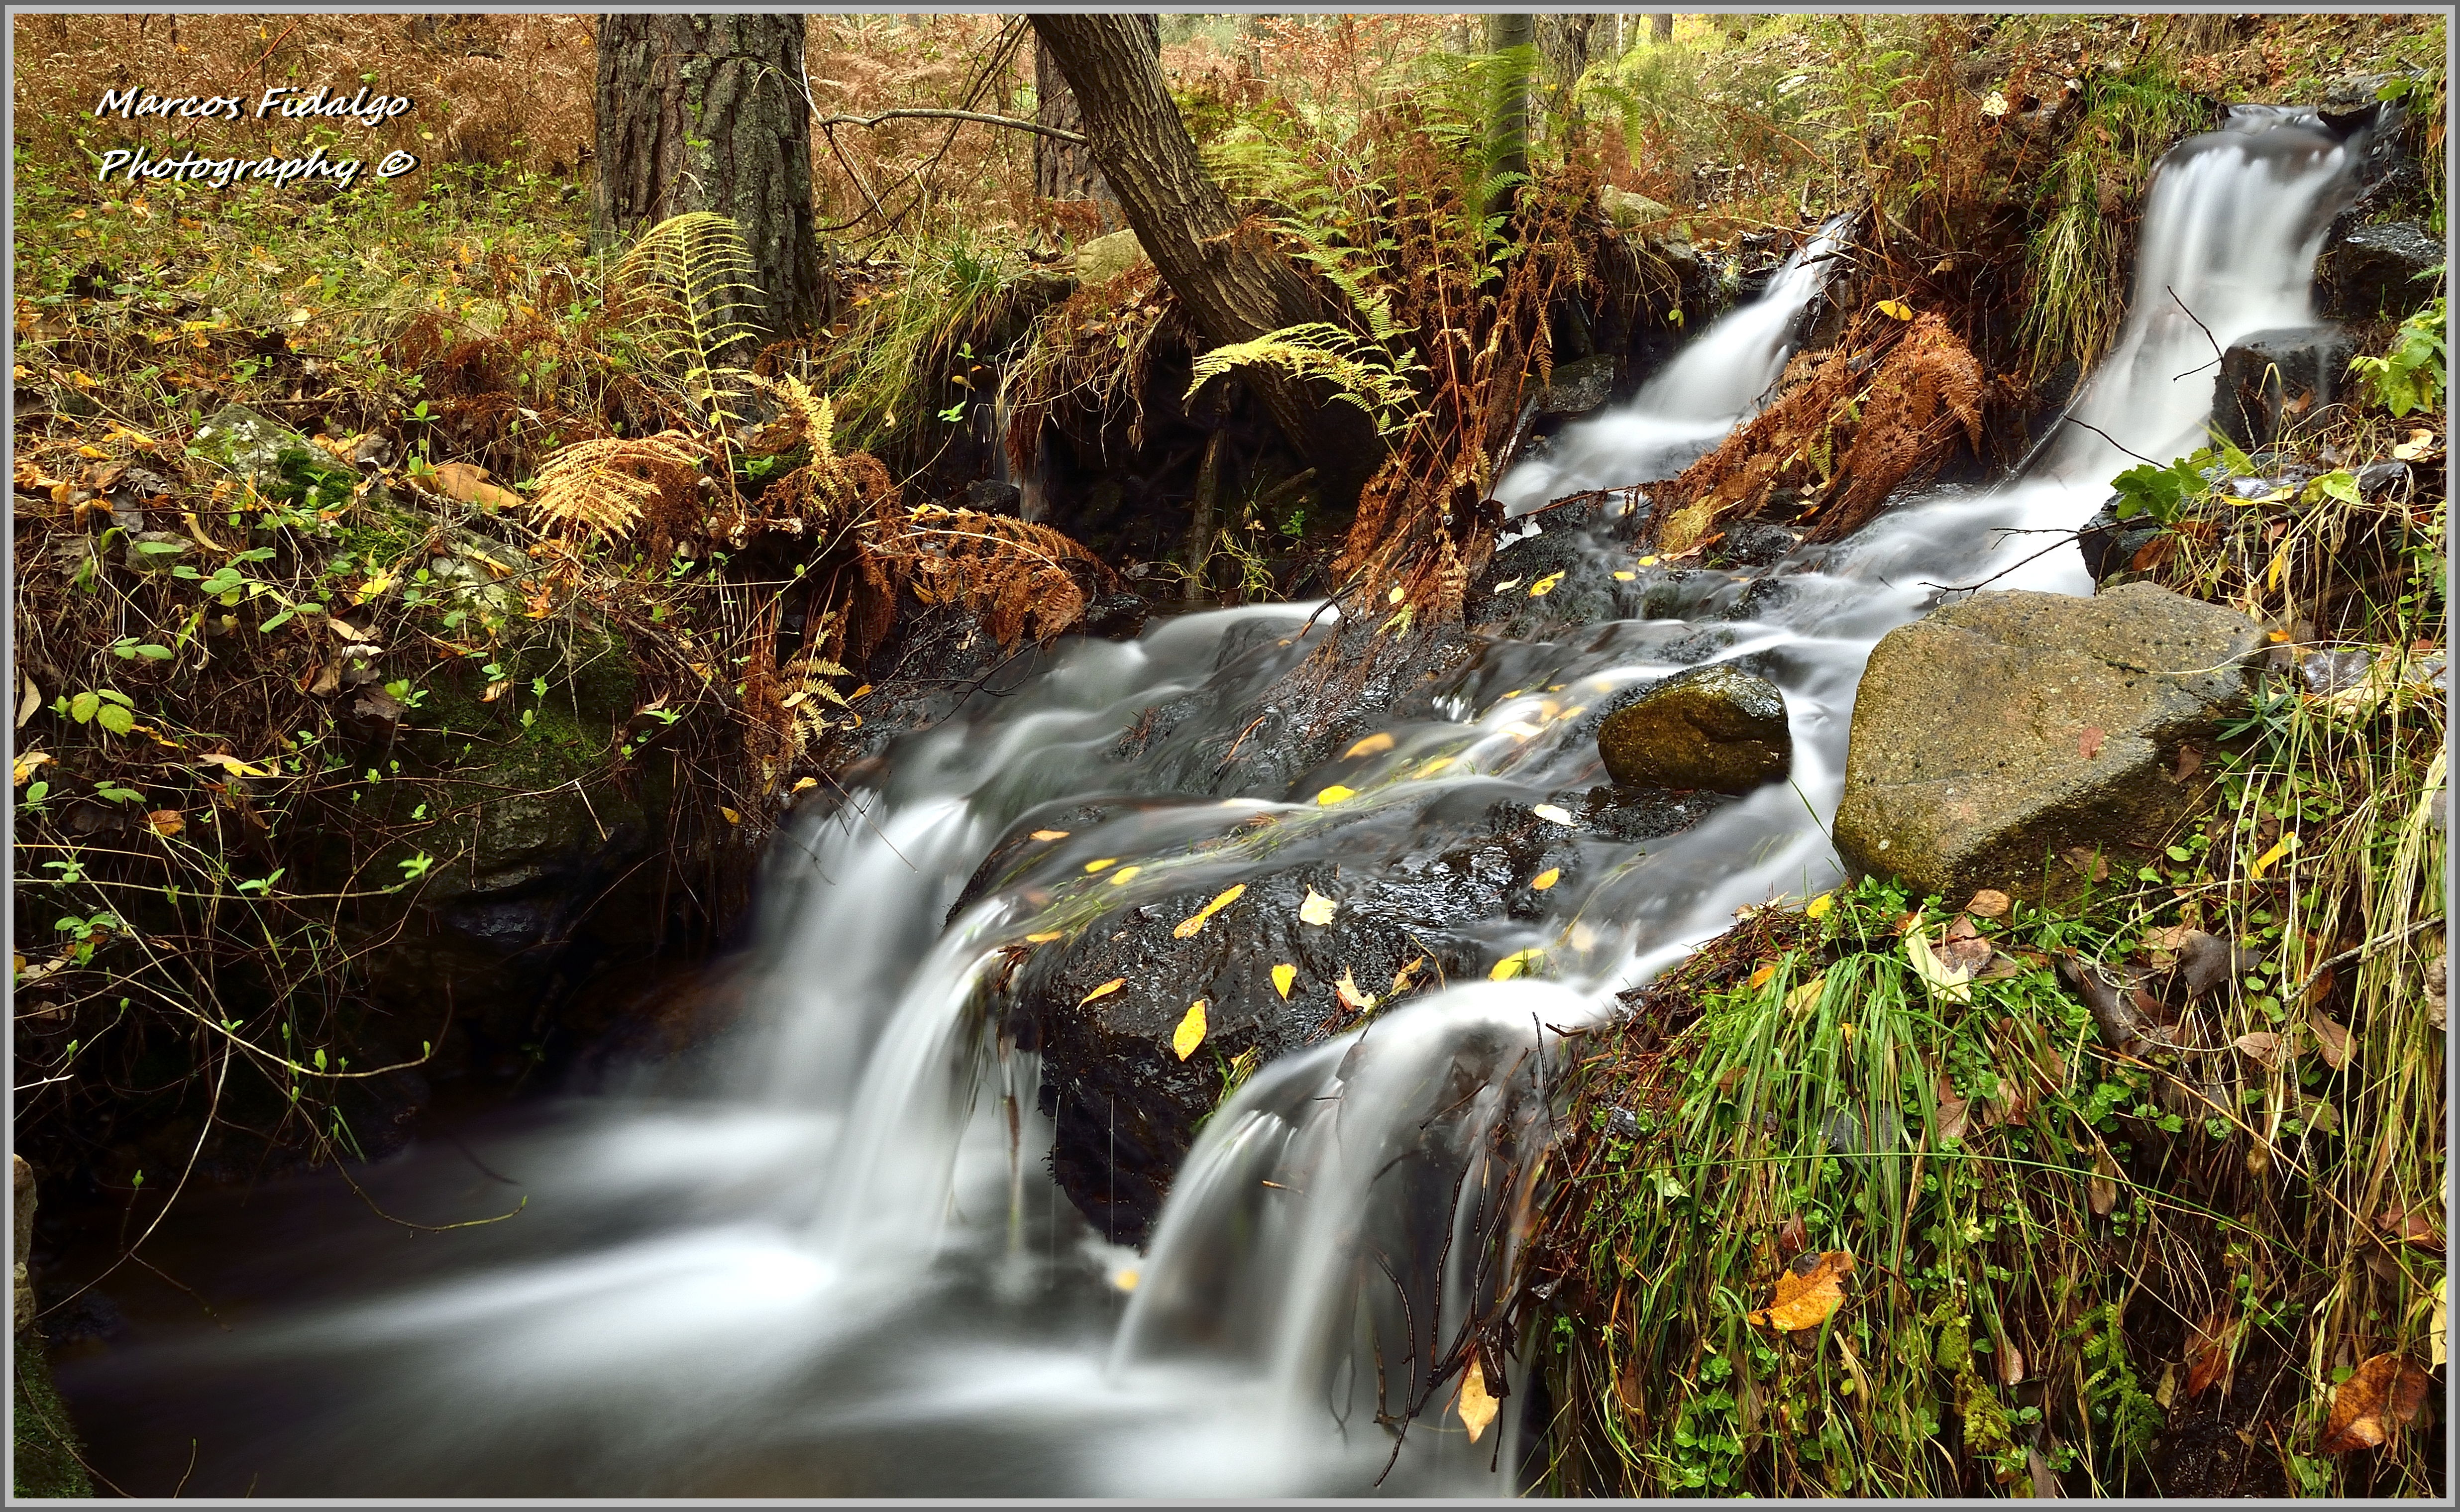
x,y
2010,727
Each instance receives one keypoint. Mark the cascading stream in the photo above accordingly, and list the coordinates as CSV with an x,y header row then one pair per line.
x,y
828,1266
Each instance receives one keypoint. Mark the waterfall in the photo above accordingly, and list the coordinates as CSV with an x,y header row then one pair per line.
x,y
841,1274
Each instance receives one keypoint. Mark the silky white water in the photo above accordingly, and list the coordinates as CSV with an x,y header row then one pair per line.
x,y
819,1263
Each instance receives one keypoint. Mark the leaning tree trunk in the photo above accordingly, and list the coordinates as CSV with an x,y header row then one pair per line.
x,y
1066,170
1231,281
704,112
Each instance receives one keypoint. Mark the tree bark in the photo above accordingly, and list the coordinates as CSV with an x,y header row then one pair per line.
x,y
1066,170
1231,281
1563,56
1661,26
702,113
1507,107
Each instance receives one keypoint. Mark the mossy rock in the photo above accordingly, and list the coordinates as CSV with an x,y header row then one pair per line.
x,y
47,1446
1714,727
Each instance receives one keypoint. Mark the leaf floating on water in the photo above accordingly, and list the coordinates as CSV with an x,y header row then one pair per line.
x,y
1097,866
1517,964
1809,1292
1434,766
1043,939
1283,976
1317,908
1373,744
1104,991
1336,794
1195,922
1125,1280
1477,1409
1626,577
1522,730
1190,1033
1051,834
1545,584
1546,879
1123,874
2385,1393
1550,812
1895,309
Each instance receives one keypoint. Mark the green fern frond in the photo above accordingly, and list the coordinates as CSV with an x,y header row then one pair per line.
x,y
1366,375
693,291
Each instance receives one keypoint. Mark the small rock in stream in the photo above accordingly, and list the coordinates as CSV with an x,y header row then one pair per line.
x,y
1716,728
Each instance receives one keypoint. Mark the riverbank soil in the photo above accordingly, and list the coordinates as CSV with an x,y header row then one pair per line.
x,y
423,625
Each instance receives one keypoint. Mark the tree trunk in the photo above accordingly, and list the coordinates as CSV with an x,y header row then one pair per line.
x,y
1661,26
1563,56
1506,108
1066,170
1233,284
701,112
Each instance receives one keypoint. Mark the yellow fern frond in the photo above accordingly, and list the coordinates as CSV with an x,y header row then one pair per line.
x,y
607,484
1364,373
693,290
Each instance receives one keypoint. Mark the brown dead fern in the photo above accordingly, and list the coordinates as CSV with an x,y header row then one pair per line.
x,y
1008,573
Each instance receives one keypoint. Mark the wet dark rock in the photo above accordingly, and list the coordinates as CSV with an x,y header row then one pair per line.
x,y
2332,672
1116,616
1423,896
2008,728
2274,378
993,497
2110,543
1577,387
1717,728
1575,547
2374,271
1754,544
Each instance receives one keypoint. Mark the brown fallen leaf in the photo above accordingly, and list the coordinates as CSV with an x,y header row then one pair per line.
x,y
2190,762
1962,948
2410,1226
2384,1394
2331,1039
1790,1235
1808,1292
2012,1363
1989,903
167,821
2265,1050
467,483
2208,1351
2090,743
1477,1409
2101,1189
2089,862
1953,1111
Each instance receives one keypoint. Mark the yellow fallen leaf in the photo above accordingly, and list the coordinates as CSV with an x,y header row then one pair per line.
x,y
1123,874
167,821
1051,834
235,766
1283,976
1806,994
2263,864
1949,984
1105,862
467,484
1507,586
1546,879
732,817
1317,908
1190,1033
1550,812
1434,766
1352,997
1808,1293
1523,730
1371,745
1044,938
1818,908
1335,794
1648,561
1104,991
801,783
1125,1280
1407,974
2434,1331
1394,597
1513,964
27,764
1759,978
1189,925
1626,577
1545,584
1477,1409
1896,309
